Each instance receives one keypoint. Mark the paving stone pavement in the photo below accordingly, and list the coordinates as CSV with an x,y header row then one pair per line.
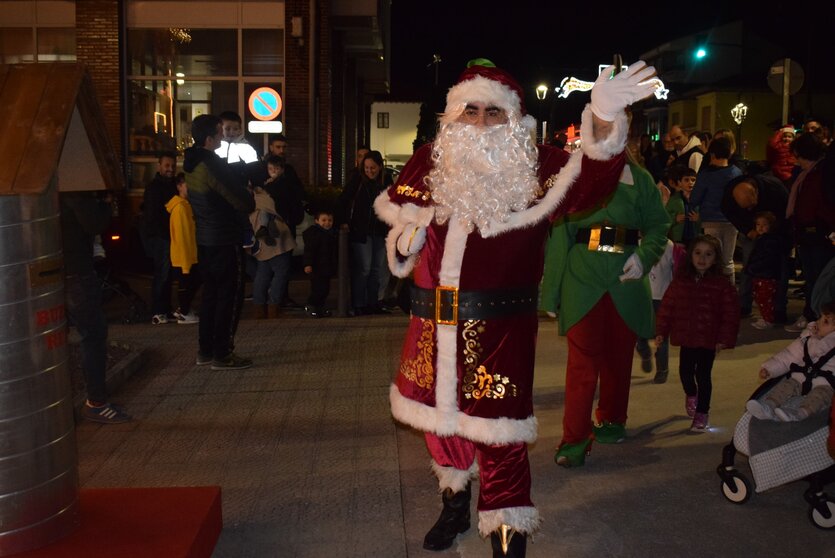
x,y
312,465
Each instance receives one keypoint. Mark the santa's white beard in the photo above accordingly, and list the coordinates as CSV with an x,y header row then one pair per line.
x,y
482,174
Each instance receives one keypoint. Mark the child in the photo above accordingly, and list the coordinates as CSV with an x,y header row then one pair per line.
x,y
183,251
700,313
319,261
764,266
809,362
234,147
275,250
660,277
684,218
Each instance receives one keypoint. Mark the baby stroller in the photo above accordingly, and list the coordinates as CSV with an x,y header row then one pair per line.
x,y
778,453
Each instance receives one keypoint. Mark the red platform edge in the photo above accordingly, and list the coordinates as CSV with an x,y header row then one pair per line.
x,y
173,522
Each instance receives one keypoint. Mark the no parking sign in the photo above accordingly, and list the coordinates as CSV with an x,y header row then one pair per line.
x,y
265,104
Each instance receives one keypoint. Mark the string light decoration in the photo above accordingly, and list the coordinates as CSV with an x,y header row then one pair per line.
x,y
570,84
180,35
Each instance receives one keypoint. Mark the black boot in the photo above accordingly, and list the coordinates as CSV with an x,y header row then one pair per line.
x,y
508,543
454,519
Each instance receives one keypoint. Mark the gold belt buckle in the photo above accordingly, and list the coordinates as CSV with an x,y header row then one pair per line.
x,y
439,290
594,239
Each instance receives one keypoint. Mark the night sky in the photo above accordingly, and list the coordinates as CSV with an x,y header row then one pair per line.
x,y
546,41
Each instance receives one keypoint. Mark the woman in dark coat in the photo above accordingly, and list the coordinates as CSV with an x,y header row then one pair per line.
x,y
367,234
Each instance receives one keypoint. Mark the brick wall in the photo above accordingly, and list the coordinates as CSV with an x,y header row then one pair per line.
x,y
297,89
97,39
323,93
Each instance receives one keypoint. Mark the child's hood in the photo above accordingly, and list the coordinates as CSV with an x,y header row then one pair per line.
x,y
175,201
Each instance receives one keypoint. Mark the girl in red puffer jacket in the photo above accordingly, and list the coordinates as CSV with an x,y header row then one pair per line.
x,y
700,313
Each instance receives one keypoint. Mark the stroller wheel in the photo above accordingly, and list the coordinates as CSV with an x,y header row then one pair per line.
x,y
736,488
818,518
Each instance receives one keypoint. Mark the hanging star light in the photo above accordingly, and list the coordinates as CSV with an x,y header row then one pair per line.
x,y
180,35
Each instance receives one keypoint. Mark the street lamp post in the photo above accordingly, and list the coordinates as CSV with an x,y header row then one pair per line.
x,y
541,93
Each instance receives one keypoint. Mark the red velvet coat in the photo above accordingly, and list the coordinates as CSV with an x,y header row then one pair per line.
x,y
699,313
475,379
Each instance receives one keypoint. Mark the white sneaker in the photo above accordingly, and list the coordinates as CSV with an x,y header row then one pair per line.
x,y
761,324
159,319
760,410
190,318
798,325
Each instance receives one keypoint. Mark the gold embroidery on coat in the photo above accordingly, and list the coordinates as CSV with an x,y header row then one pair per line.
x,y
420,369
409,192
478,382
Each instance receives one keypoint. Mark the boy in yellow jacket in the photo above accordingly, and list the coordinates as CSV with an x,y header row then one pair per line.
x,y
183,251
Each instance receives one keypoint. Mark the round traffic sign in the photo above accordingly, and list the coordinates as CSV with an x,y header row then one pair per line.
x,y
265,103
777,74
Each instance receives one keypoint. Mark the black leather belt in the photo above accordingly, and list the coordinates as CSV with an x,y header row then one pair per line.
x,y
447,305
607,238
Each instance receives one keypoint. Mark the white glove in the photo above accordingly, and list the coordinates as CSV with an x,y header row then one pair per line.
x,y
609,97
632,269
411,239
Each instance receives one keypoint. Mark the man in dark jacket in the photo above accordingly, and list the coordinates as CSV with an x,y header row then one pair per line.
x,y
83,216
161,189
219,203
743,198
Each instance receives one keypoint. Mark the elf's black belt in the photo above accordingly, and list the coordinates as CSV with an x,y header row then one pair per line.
x,y
447,305
607,238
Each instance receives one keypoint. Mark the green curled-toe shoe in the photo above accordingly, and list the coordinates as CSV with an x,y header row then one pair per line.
x,y
572,455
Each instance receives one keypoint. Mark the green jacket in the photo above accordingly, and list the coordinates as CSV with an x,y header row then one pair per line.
x,y
576,278
685,231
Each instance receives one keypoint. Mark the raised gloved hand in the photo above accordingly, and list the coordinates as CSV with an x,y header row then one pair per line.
x,y
632,269
609,97
411,239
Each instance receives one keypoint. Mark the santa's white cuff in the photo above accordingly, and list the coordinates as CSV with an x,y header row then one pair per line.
x,y
608,147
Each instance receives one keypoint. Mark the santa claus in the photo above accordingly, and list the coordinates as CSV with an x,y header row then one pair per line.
x,y
469,216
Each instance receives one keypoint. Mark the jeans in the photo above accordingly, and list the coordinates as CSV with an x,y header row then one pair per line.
x,y
367,266
221,268
726,233
161,286
84,310
271,276
187,285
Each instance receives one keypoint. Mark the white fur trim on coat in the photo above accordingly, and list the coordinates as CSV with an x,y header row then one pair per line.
x,y
478,429
452,478
524,519
480,89
397,217
611,145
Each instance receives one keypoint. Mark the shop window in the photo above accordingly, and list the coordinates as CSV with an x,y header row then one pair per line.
x,y
56,45
190,52
263,52
16,45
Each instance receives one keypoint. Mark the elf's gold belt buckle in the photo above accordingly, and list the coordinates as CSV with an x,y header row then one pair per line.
x,y
607,238
440,295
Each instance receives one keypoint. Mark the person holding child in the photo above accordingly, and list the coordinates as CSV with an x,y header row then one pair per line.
x,y
276,244
183,251
808,364
700,313
319,261
764,267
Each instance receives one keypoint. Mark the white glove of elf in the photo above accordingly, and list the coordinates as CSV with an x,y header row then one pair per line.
x,y
411,239
632,269
609,97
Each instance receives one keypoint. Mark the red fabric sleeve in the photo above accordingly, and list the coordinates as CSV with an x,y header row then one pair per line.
x,y
597,181
410,186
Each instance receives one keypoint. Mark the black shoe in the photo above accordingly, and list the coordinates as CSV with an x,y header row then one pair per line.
x,y
454,519
660,376
514,544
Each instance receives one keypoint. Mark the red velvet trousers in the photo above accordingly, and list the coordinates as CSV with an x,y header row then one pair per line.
x,y
599,347
504,472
